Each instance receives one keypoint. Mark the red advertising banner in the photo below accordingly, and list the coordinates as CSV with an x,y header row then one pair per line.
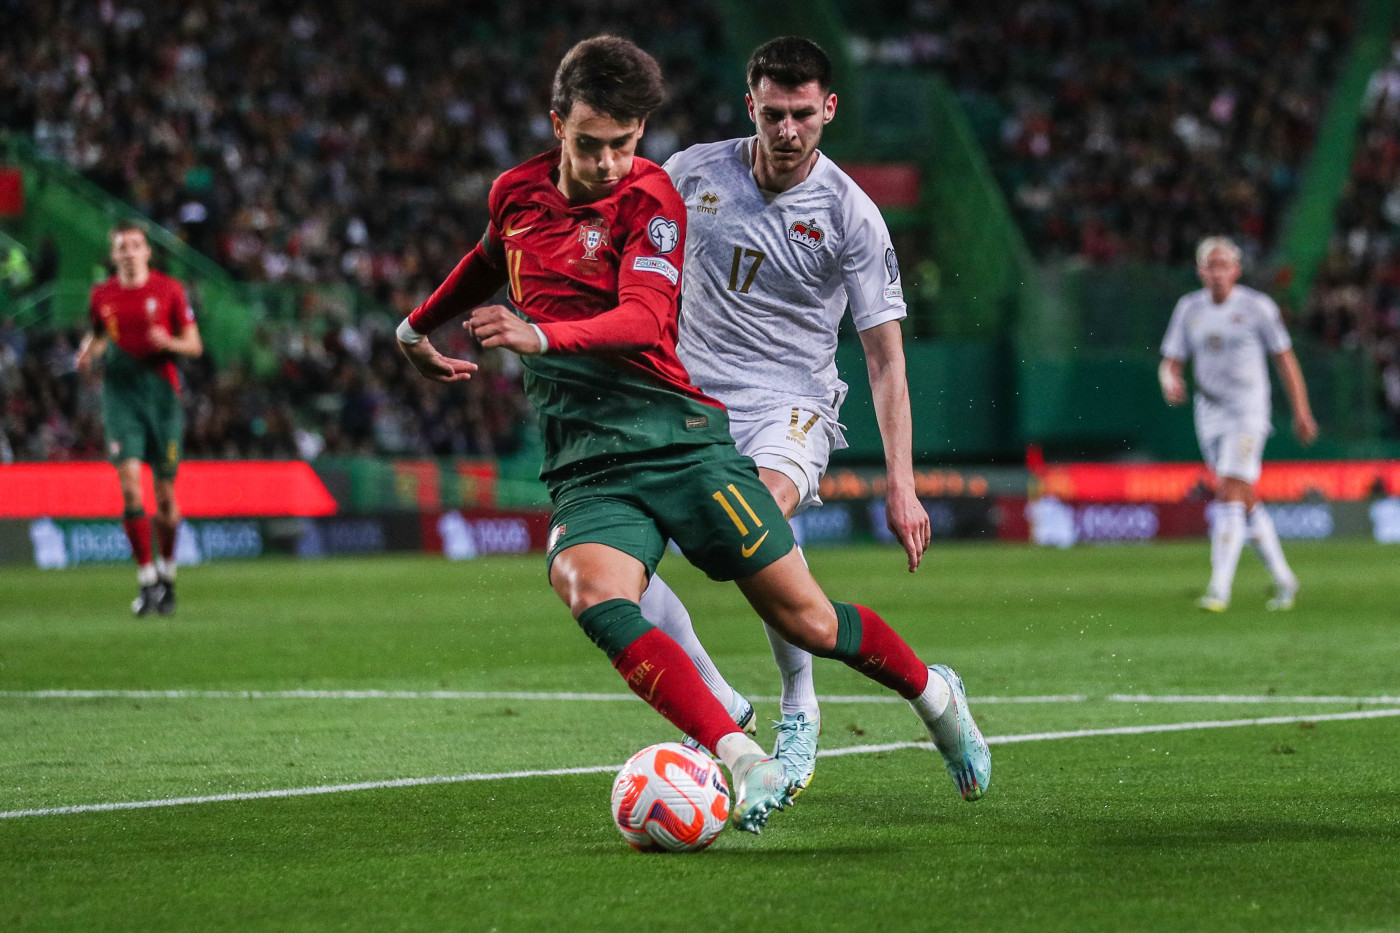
x,y
1086,522
461,535
1281,481
204,488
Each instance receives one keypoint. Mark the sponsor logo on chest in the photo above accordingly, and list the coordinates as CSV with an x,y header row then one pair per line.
x,y
807,234
150,307
709,203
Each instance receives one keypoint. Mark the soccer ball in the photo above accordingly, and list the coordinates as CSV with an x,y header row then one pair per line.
x,y
670,798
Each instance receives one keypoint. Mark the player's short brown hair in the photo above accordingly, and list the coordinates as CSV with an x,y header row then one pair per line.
x,y
611,75
127,226
790,61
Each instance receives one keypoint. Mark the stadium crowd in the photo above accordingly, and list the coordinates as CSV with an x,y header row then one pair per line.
x,y
1355,301
242,124
237,124
309,388
1129,129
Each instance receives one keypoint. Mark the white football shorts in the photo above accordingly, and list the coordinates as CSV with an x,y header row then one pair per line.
x,y
1235,454
794,441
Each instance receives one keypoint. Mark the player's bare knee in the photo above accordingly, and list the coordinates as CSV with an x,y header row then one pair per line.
x,y
581,591
810,626
1235,490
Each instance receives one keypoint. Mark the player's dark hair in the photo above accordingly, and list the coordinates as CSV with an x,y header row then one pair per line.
x,y
790,61
611,75
126,226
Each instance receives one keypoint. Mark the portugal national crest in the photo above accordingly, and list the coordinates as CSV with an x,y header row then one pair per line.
x,y
594,236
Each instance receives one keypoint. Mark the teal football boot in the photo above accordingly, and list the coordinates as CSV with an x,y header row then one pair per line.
x,y
796,748
957,738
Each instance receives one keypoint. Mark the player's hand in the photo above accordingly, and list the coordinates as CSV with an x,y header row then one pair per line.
x,y
498,326
84,363
908,522
432,364
1305,427
1174,391
159,338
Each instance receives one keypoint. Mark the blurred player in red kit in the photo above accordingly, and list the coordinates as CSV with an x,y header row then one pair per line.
x,y
141,320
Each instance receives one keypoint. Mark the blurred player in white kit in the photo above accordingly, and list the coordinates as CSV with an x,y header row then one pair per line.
x,y
1228,331
780,241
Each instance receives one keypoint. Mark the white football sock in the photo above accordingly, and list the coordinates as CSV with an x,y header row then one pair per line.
x,y
165,569
932,704
664,609
1227,537
1264,537
734,746
799,693
146,575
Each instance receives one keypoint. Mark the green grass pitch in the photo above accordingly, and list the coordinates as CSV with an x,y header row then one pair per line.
x,y
1293,825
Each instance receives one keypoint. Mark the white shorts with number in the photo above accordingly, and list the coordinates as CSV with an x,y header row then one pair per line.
x,y
794,441
1235,454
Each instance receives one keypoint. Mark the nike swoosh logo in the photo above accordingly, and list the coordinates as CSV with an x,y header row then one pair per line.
x,y
651,694
510,232
748,551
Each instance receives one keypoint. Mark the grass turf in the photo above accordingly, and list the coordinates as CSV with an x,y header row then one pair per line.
x,y
1272,827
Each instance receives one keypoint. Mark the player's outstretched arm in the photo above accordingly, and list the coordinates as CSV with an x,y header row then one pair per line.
x,y
475,278
904,514
1170,378
1304,425
89,351
186,343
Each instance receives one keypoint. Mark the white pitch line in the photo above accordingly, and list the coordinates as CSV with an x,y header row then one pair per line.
x,y
597,769
1123,730
307,695
619,697
438,695
302,791
1232,698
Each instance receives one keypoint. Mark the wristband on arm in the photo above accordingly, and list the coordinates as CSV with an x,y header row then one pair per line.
x,y
407,334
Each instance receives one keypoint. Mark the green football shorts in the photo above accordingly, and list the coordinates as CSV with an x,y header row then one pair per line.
x,y
144,422
708,499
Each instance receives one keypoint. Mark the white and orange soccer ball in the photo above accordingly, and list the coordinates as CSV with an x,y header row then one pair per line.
x,y
670,798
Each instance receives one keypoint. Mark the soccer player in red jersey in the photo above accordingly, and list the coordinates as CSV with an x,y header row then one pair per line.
x,y
589,240
141,320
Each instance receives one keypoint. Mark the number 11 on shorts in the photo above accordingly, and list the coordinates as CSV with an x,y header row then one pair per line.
x,y
723,501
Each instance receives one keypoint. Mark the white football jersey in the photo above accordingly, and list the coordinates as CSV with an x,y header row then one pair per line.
x,y
767,278
1229,345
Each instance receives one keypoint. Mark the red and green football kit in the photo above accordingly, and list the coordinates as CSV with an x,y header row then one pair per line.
x,y
634,453
141,414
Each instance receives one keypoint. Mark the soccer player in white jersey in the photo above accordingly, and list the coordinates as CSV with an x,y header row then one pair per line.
x,y
1228,330
780,241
